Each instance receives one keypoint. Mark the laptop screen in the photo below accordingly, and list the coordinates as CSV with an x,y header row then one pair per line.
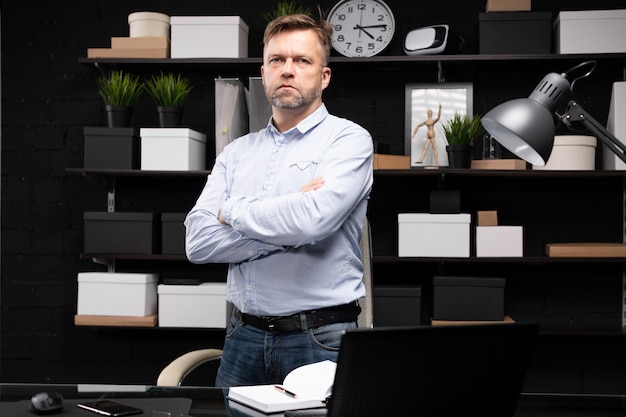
x,y
432,370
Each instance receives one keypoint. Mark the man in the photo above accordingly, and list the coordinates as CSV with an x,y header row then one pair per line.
x,y
285,207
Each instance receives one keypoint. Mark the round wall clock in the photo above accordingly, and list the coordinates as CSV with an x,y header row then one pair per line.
x,y
361,28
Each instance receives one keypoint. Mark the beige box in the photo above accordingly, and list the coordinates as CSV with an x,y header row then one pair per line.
x,y
142,24
508,5
117,294
202,306
209,37
571,152
499,241
590,31
434,235
172,149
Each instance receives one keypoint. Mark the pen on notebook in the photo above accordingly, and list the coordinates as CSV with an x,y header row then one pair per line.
x,y
286,391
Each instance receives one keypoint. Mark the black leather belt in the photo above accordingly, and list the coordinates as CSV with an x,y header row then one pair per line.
x,y
314,318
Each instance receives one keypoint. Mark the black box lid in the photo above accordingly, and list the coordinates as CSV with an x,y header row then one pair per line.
x,y
469,281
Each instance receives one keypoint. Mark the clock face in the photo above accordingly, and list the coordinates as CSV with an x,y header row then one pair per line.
x,y
361,28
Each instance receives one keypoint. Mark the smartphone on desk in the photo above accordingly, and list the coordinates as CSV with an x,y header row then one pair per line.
x,y
110,408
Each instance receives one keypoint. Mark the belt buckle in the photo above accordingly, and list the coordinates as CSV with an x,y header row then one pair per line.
x,y
269,322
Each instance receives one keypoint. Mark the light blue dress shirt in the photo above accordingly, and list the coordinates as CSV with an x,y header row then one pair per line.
x,y
287,250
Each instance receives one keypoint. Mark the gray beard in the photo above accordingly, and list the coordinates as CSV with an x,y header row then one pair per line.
x,y
295,104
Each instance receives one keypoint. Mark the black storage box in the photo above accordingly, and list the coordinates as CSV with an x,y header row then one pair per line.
x,y
515,33
445,202
120,232
111,148
468,298
173,233
397,306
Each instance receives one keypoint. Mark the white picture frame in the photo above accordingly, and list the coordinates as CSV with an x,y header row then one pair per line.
x,y
419,99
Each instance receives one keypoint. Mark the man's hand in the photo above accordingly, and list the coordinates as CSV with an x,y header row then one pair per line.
x,y
313,185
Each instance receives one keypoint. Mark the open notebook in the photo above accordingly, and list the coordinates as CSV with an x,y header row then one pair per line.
x,y
432,370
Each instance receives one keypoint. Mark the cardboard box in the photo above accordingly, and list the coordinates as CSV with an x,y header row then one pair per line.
x,y
128,53
468,298
590,31
499,241
571,153
487,218
120,232
172,149
382,161
515,33
508,6
209,37
111,148
117,294
173,233
504,164
397,306
588,250
434,235
143,42
202,306
616,124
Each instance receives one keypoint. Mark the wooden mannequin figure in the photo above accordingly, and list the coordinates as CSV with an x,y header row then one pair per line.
x,y
430,135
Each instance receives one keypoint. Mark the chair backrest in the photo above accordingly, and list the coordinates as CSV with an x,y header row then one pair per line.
x,y
366,318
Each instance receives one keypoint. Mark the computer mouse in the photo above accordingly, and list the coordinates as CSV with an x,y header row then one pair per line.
x,y
46,403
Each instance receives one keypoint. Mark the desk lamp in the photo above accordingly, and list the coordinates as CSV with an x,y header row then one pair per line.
x,y
526,126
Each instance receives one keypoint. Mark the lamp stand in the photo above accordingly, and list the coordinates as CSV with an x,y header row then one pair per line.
x,y
576,114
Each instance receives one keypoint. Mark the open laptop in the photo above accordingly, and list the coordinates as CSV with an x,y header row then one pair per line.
x,y
432,370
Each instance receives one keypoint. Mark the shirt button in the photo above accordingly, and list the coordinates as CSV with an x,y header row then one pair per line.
x,y
250,252
249,287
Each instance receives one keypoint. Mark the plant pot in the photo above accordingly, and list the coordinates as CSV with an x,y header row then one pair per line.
x,y
459,156
170,116
118,116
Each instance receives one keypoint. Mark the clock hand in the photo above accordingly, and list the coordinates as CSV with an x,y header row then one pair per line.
x,y
363,30
372,26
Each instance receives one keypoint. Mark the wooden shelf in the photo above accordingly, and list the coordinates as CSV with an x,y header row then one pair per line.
x,y
116,321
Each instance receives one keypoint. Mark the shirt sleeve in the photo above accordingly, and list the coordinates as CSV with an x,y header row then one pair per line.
x,y
305,218
206,238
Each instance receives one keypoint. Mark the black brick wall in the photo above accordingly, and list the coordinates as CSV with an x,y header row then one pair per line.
x,y
47,99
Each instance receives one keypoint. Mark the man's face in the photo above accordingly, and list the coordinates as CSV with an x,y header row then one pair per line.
x,y
293,70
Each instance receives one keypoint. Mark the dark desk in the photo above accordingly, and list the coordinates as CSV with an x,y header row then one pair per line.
x,y
209,401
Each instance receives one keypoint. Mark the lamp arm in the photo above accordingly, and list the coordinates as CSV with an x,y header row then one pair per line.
x,y
576,114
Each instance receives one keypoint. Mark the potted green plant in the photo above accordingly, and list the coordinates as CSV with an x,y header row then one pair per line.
x,y
461,131
119,91
168,91
284,8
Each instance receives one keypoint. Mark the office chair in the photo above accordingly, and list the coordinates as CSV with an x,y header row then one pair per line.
x,y
176,371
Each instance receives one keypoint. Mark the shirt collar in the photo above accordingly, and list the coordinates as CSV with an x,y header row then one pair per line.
x,y
308,123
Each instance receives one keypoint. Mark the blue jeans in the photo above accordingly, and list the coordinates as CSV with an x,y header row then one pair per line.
x,y
253,356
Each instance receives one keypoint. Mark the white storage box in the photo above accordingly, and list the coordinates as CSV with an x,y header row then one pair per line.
x,y
616,124
201,305
172,149
209,37
143,24
590,31
434,235
572,152
499,241
117,294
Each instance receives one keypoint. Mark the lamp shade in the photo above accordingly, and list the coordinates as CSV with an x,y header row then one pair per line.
x,y
525,126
